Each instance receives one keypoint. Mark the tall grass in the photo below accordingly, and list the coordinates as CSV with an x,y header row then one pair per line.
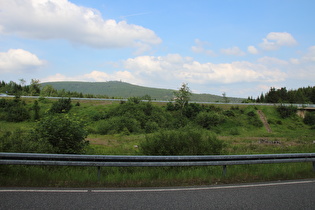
x,y
55,176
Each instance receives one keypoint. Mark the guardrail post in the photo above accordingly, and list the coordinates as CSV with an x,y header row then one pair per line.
x,y
314,166
224,170
98,173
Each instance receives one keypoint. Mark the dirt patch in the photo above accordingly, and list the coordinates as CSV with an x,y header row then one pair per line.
x,y
264,121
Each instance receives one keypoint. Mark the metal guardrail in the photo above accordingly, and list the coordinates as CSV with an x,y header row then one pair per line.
x,y
205,102
150,161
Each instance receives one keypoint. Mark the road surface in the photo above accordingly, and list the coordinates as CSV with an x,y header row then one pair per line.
x,y
296,194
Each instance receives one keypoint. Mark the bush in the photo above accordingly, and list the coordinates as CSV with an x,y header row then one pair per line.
x,y
61,106
234,131
142,112
14,110
229,113
115,125
286,111
209,119
21,141
64,134
184,141
309,118
151,127
192,110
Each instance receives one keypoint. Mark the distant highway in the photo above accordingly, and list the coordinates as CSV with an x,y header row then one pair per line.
x,y
106,99
296,194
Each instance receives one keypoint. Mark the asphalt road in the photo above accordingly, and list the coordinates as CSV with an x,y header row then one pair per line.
x,y
296,194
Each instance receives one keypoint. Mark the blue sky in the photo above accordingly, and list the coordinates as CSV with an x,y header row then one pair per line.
x,y
240,47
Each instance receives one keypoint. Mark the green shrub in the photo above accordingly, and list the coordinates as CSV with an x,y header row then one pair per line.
x,y
286,111
64,134
21,141
209,119
36,109
191,110
14,110
115,125
142,112
151,127
234,131
184,141
309,118
61,106
251,114
229,113
253,119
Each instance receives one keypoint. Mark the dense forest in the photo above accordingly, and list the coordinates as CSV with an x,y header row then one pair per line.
x,y
304,95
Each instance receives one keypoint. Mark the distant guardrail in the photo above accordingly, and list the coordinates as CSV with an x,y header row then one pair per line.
x,y
198,102
151,161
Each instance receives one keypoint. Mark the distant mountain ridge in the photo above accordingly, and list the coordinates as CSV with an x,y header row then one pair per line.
x,y
120,89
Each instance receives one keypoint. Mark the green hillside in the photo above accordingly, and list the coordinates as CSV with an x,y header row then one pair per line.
x,y
119,89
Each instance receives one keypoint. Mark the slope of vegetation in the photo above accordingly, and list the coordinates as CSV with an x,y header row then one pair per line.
x,y
125,90
135,127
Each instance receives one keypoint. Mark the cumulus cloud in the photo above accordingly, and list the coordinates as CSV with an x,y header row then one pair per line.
x,y
19,61
94,76
175,69
200,47
275,40
233,51
272,61
166,68
61,19
252,50
310,55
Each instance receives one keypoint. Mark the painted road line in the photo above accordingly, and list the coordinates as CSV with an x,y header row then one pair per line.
x,y
206,188
158,190
44,191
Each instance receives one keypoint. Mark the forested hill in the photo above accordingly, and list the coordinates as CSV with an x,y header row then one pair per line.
x,y
119,89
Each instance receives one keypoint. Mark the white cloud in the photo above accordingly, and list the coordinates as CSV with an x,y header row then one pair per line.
x,y
158,71
310,55
233,51
200,47
94,76
252,50
295,61
61,19
19,61
272,61
152,69
275,40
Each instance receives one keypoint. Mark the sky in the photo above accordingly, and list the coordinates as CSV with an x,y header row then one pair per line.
x,y
238,47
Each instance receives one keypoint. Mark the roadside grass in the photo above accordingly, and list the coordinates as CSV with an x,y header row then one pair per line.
x,y
66,176
54,176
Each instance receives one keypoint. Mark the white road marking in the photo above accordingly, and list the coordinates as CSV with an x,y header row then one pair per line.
x,y
206,188
44,191
158,190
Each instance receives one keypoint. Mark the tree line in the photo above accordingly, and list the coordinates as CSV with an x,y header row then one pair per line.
x,y
304,95
36,89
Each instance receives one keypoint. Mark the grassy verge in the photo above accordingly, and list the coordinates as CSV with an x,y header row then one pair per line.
x,y
59,176
44,176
